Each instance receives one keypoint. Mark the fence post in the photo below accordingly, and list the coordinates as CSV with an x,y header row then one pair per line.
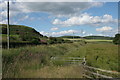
x,y
97,74
84,61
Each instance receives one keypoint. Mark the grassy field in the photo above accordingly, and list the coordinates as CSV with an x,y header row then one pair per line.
x,y
89,40
35,62
98,40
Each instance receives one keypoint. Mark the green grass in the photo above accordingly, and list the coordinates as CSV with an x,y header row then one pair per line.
x,y
31,57
97,40
90,40
101,55
35,61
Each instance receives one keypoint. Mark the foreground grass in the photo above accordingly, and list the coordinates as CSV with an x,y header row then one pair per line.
x,y
71,71
31,57
34,61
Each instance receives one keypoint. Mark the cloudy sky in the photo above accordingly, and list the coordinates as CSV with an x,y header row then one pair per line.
x,y
65,18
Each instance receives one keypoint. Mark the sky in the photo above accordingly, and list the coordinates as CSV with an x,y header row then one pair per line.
x,y
64,18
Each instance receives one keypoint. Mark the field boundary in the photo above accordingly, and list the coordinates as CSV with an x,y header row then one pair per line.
x,y
70,59
97,74
87,69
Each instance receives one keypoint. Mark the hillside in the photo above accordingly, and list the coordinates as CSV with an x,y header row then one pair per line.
x,y
88,37
98,37
70,37
20,33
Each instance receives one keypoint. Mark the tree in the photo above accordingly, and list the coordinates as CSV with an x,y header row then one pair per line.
x,y
116,39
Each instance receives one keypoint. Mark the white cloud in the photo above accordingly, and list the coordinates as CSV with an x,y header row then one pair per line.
x,y
63,0
3,21
110,32
91,34
62,33
52,0
86,19
54,28
105,28
55,8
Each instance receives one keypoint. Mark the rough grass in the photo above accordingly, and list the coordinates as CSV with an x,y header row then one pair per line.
x,y
101,55
71,71
31,57
34,61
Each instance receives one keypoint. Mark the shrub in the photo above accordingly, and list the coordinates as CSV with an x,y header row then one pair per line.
x,y
67,41
50,42
60,40
53,40
36,41
116,39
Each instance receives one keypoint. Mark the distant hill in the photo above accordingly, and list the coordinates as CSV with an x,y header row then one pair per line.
x,y
89,37
71,37
98,37
20,33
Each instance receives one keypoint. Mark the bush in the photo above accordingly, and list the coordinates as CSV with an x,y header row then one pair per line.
x,y
36,41
67,41
53,39
51,42
60,40
116,39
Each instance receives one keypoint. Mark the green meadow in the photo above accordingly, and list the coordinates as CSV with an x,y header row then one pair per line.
x,y
35,61
90,40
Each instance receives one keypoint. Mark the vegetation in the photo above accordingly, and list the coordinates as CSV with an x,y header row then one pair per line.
x,y
30,61
98,37
116,40
22,35
54,40
19,33
34,61
88,37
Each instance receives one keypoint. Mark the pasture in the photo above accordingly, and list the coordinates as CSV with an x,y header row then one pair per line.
x,y
89,40
35,61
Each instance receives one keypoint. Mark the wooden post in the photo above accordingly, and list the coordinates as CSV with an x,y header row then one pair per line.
x,y
97,74
73,36
84,60
8,38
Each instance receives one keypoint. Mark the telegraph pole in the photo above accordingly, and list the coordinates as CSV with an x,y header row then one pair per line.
x,y
8,37
73,36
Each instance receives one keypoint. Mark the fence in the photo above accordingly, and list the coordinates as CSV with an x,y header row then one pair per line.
x,y
89,72
92,72
69,60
